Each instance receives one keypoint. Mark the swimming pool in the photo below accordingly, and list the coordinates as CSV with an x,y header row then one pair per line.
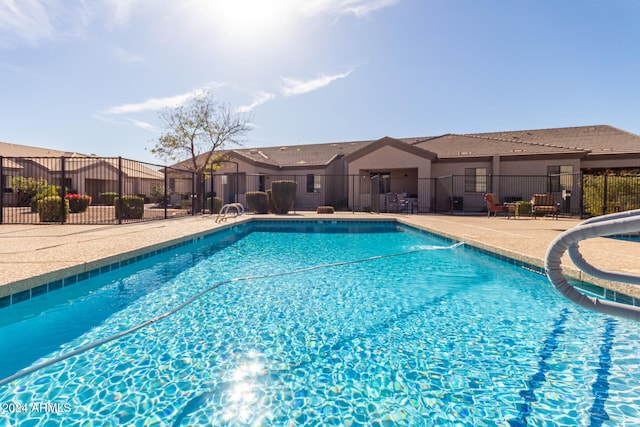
x,y
439,335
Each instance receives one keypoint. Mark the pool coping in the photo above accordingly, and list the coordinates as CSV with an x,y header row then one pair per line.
x,y
39,285
53,280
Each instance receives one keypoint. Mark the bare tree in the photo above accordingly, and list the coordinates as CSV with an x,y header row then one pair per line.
x,y
193,132
196,130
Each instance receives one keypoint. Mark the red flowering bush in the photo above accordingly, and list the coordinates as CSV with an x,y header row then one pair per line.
x,y
78,202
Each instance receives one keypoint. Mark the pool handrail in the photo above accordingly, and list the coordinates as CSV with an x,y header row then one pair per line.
x,y
606,225
222,215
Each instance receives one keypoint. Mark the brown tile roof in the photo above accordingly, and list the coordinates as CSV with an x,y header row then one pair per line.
x,y
15,150
473,146
572,141
600,139
301,155
75,161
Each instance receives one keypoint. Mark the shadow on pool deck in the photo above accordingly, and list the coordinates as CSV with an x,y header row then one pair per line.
x,y
31,255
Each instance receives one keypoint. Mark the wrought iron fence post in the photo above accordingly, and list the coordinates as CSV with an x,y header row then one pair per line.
x,y
63,190
120,184
582,195
193,192
451,196
212,193
165,198
604,195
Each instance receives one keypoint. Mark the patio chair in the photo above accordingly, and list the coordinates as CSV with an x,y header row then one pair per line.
x,y
545,204
494,206
395,203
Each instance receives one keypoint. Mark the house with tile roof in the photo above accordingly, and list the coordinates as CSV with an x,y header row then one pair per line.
x,y
85,174
434,170
437,173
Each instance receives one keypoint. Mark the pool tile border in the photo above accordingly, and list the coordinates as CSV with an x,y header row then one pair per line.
x,y
45,288
27,294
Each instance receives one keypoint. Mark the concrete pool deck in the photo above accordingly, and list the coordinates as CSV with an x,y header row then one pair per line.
x,y
32,255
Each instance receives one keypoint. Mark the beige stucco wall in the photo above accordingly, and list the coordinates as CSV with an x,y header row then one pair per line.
x,y
391,158
404,167
534,167
457,168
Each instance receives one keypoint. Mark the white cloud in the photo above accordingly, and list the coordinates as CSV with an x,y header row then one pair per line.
x,y
28,21
292,86
358,8
152,104
259,99
142,125
34,21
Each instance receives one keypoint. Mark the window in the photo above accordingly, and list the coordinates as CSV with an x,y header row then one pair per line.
x,y
475,180
261,182
560,178
313,183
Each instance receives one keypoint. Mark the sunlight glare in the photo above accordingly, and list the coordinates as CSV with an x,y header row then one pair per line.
x,y
251,20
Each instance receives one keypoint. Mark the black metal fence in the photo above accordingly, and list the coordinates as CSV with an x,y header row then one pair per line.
x,y
453,194
104,190
464,194
97,190
608,193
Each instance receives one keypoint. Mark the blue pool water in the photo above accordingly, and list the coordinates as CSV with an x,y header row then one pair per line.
x,y
440,335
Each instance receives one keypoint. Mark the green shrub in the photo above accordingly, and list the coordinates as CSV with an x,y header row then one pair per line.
x,y
258,202
283,194
78,202
217,205
44,191
27,189
132,207
50,209
523,208
108,198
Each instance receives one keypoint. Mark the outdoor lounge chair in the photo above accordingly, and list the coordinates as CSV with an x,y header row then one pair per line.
x,y
494,206
545,204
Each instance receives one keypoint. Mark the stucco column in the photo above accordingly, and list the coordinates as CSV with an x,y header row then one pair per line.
x,y
495,174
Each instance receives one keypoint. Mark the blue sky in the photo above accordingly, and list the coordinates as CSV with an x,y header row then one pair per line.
x,y
91,76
